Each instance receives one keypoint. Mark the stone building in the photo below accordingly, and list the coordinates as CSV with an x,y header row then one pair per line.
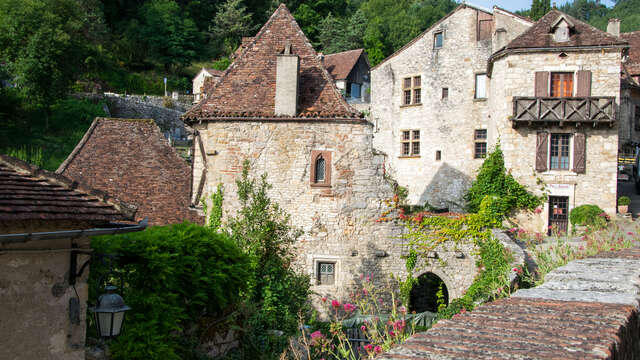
x,y
429,103
630,90
44,218
132,161
199,81
278,107
547,92
350,70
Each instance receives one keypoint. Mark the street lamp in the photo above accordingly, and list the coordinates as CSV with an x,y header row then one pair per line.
x,y
109,313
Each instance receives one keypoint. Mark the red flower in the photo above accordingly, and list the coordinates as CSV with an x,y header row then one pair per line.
x,y
368,347
378,349
349,307
335,303
324,299
363,328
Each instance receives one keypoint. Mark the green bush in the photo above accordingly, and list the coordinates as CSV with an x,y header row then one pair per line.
x,y
587,215
174,277
624,200
494,180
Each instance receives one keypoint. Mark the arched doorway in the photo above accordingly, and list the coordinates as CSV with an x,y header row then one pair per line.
x,y
424,295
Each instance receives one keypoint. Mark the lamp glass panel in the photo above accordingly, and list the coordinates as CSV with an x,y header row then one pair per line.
x,y
104,323
117,322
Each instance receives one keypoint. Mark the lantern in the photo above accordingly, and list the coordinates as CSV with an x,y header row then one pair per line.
x,y
109,313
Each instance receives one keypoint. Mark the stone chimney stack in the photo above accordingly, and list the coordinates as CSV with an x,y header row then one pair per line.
x,y
613,27
287,69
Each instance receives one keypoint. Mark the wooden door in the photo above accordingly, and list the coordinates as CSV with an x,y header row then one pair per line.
x,y
558,214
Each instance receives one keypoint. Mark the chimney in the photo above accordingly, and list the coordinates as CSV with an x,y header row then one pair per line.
x,y
500,38
613,27
287,67
321,57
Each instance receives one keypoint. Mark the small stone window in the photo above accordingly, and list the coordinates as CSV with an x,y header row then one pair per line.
x,y
410,143
326,273
438,155
445,93
481,86
438,39
480,144
411,90
320,168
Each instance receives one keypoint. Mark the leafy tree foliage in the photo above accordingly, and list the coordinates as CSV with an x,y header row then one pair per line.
x,y
230,24
585,10
628,11
539,8
336,34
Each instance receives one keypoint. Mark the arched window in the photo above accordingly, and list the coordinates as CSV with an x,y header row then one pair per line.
x,y
320,169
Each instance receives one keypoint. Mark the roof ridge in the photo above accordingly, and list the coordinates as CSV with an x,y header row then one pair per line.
x,y
126,210
525,18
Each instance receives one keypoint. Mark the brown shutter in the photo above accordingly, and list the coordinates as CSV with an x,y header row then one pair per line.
x,y
579,147
542,83
584,83
541,151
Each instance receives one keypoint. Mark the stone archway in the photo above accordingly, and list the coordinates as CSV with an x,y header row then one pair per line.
x,y
424,294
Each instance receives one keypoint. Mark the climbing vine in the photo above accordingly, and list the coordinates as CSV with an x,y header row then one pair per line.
x,y
213,215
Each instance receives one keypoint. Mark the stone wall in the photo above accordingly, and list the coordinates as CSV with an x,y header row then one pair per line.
x,y
446,124
35,295
339,222
514,75
629,108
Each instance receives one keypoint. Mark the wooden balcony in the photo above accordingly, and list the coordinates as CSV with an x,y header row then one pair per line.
x,y
575,110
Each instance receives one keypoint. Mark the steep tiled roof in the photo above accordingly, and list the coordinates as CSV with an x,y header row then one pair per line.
x,y
247,88
633,63
340,64
132,161
30,193
214,72
540,35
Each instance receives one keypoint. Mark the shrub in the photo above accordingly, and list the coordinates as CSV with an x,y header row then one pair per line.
x,y
174,276
624,200
588,215
168,102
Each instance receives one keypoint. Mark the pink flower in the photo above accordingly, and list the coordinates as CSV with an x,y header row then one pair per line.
x,y
335,303
349,307
402,310
377,349
363,328
316,334
391,333
538,210
603,214
512,230
368,347
630,233
324,299
365,292
517,270
550,227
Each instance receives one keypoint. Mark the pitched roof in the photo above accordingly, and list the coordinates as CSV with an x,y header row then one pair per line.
x,y
247,87
540,35
214,72
132,161
30,193
632,65
340,64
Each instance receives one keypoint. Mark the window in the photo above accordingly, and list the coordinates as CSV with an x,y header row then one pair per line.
x,y
437,40
326,273
320,168
438,155
559,152
481,86
411,90
561,84
637,117
480,144
410,143
445,93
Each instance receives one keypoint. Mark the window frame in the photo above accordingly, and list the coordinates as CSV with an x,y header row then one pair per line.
x,y
475,88
410,142
319,273
559,157
479,139
315,156
445,93
412,94
435,39
571,74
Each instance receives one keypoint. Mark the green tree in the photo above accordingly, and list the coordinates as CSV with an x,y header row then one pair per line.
x,y
230,24
628,11
43,43
539,8
172,38
337,34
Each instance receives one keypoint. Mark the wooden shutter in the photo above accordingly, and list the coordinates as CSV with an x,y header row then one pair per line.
x,y
584,83
542,83
579,150
542,151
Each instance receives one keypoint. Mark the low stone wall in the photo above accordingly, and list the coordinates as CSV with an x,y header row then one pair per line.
x,y
587,309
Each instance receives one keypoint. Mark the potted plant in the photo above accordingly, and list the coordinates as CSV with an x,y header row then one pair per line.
x,y
623,204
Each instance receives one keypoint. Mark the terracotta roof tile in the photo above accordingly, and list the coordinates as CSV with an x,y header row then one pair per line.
x,y
247,87
30,193
131,160
340,64
214,72
633,63
582,34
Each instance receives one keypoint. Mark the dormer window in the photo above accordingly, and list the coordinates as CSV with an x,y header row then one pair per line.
x,y
561,30
320,168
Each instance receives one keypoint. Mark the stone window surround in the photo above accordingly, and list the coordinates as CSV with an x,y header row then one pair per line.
x,y
475,86
326,155
568,69
316,260
435,37
569,171
477,140
410,141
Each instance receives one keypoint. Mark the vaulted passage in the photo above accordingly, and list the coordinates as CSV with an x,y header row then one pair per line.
x,y
424,295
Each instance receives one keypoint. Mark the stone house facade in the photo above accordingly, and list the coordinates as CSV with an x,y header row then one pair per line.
x,y
199,80
351,72
131,160
630,90
44,218
278,107
547,92
429,103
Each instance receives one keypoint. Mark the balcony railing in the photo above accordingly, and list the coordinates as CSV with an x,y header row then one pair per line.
x,y
593,109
